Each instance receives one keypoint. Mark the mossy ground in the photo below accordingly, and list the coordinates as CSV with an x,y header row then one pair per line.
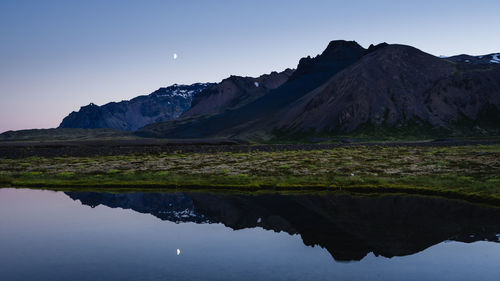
x,y
463,171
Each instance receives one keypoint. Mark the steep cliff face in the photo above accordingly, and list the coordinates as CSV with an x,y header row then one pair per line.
x,y
164,104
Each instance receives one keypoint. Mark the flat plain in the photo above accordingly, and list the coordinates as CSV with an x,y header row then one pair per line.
x,y
470,171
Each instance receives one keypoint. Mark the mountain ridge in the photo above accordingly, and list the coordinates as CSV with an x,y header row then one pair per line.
x,y
348,88
235,92
345,90
310,73
129,115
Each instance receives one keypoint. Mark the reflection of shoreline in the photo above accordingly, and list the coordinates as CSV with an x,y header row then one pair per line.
x,y
349,227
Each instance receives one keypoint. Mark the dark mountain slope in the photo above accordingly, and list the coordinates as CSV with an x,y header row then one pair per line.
x,y
164,104
398,86
310,74
234,92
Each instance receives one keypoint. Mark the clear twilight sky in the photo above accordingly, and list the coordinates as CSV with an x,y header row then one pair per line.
x,y
56,56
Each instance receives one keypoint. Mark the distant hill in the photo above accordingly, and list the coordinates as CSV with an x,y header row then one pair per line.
x,y
485,59
163,104
347,89
64,134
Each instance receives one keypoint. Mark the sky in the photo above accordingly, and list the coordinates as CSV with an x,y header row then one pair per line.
x,y
56,56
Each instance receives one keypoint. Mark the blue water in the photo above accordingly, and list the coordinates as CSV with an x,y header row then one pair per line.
x,y
46,235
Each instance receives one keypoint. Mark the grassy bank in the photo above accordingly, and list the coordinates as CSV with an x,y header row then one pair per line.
x,y
470,172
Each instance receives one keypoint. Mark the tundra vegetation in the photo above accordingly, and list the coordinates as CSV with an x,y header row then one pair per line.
x,y
468,172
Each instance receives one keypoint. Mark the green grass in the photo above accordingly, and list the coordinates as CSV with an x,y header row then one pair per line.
x,y
469,172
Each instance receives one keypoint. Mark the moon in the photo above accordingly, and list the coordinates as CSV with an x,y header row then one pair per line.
x,y
175,56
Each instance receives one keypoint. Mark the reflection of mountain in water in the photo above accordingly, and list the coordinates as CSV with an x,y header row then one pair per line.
x,y
349,227
175,207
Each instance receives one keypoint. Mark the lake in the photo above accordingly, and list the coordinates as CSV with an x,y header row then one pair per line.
x,y
48,235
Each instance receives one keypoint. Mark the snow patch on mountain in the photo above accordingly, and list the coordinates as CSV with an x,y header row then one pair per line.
x,y
483,59
495,59
183,91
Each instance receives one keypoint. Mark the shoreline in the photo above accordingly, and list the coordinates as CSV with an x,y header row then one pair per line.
x,y
315,190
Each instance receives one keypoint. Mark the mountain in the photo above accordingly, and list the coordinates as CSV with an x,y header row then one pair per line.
x,y
484,59
348,226
234,92
310,73
351,90
399,86
163,104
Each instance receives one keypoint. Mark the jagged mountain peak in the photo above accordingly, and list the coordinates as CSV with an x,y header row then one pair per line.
x,y
337,55
340,48
373,48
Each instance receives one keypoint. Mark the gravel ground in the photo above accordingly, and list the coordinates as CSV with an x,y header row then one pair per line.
x,y
15,150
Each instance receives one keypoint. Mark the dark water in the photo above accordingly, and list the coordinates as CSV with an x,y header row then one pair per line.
x,y
47,235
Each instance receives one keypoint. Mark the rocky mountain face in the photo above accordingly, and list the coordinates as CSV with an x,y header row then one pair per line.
x,y
234,92
348,226
164,104
348,89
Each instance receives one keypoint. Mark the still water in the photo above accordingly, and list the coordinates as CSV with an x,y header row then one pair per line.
x,y
47,235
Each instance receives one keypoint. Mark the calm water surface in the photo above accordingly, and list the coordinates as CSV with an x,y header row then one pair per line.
x,y
46,235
